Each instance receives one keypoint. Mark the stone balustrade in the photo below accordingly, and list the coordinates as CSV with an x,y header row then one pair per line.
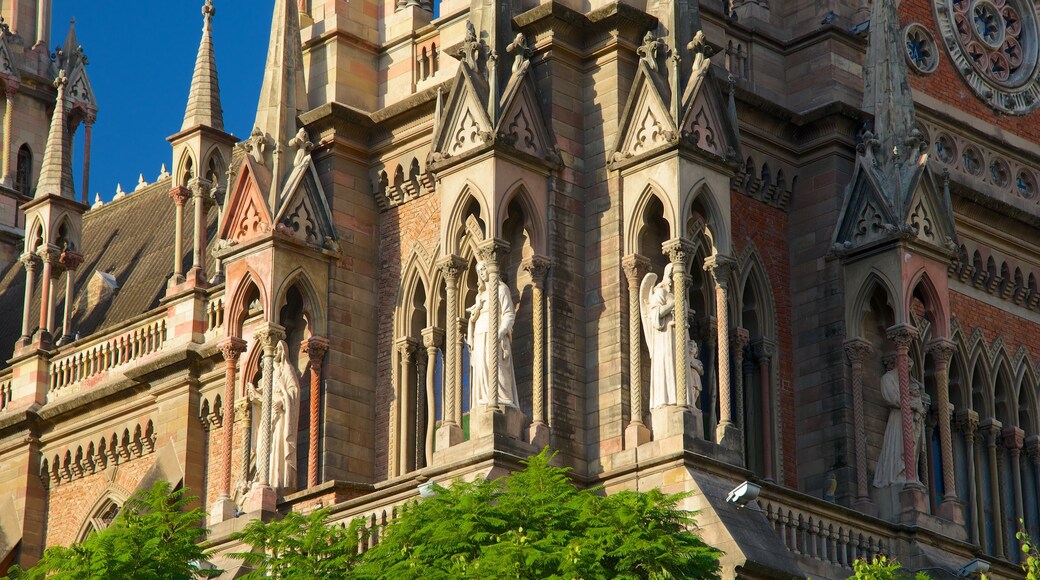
x,y
6,389
214,316
77,363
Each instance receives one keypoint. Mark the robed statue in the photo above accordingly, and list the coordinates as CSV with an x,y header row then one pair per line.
x,y
891,469
481,343
285,419
656,310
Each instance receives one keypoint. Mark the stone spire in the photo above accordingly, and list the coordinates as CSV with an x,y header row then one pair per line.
x,y
56,172
895,142
204,99
283,95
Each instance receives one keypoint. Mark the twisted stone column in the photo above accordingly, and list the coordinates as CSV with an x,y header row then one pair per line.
x,y
679,252
490,251
203,198
1014,438
635,267
10,90
721,268
32,264
315,347
231,349
538,268
268,338
433,339
942,352
738,342
968,423
452,267
70,262
180,196
857,350
991,429
764,351
903,335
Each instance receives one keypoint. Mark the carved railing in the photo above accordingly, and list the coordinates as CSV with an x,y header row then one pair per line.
x,y
375,512
214,316
821,531
6,389
107,353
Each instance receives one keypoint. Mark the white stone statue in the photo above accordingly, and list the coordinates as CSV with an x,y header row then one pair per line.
x,y
694,372
891,470
285,419
656,306
480,344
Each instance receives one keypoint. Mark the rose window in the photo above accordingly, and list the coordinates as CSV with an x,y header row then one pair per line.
x,y
920,48
994,45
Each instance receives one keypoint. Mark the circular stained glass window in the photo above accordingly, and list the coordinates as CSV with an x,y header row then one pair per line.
x,y
994,45
920,48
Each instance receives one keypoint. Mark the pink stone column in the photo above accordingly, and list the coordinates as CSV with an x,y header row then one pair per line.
x,y
231,349
32,267
764,356
88,130
180,196
450,432
70,261
200,191
637,433
11,90
679,252
721,267
315,347
51,271
992,430
857,350
968,424
942,352
538,268
738,342
903,335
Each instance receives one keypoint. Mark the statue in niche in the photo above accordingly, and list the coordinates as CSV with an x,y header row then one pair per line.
x,y
891,469
285,419
480,343
656,310
694,372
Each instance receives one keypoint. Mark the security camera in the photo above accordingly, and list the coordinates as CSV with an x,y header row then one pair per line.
x,y
744,494
973,569
427,490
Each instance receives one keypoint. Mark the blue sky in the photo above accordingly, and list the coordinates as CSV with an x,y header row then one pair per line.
x,y
142,55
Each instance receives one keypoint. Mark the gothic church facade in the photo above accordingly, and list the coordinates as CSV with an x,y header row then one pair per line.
x,y
843,194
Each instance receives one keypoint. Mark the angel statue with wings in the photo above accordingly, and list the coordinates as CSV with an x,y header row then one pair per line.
x,y
656,306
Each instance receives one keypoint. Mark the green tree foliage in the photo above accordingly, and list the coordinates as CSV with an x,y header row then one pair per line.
x,y
154,537
881,568
1031,565
299,547
535,524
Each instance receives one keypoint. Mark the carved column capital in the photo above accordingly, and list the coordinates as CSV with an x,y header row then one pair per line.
x,y
407,346
967,422
992,430
1014,438
180,195
202,190
763,349
70,260
232,347
492,250
433,337
679,251
942,350
452,266
740,339
857,350
268,336
1033,448
721,268
31,261
315,347
538,267
635,267
11,89
903,335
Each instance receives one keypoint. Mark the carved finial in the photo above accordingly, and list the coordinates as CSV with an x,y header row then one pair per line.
x,y
209,11
302,144
120,194
255,145
471,46
701,51
141,183
97,201
60,82
522,53
163,172
648,51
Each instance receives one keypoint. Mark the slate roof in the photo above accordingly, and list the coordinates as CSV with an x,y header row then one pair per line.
x,y
130,239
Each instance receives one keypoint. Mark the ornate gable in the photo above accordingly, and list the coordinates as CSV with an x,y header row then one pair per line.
x,y
927,214
465,123
521,124
8,68
866,215
305,213
80,93
247,214
647,125
709,121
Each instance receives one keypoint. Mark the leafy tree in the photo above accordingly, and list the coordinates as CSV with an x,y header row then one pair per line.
x,y
535,524
881,568
299,547
155,536
1031,566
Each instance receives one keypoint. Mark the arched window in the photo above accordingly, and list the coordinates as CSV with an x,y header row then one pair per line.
x,y
23,171
759,419
102,518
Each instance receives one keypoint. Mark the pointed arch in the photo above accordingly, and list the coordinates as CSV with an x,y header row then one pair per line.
x,y
37,235
470,200
649,198
701,199
921,283
65,233
215,167
533,222
103,511
980,376
248,287
416,275
312,308
753,275
875,282
186,168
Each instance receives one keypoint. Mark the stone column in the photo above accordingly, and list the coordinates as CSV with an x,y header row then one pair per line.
x,y
637,433
490,251
450,433
538,267
70,262
738,342
991,429
224,509
1033,451
32,266
315,347
420,403
679,252
9,155
726,433
764,352
88,130
903,335
201,194
180,196
51,270
406,349
968,424
942,352
1014,438
433,339
262,496
857,350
